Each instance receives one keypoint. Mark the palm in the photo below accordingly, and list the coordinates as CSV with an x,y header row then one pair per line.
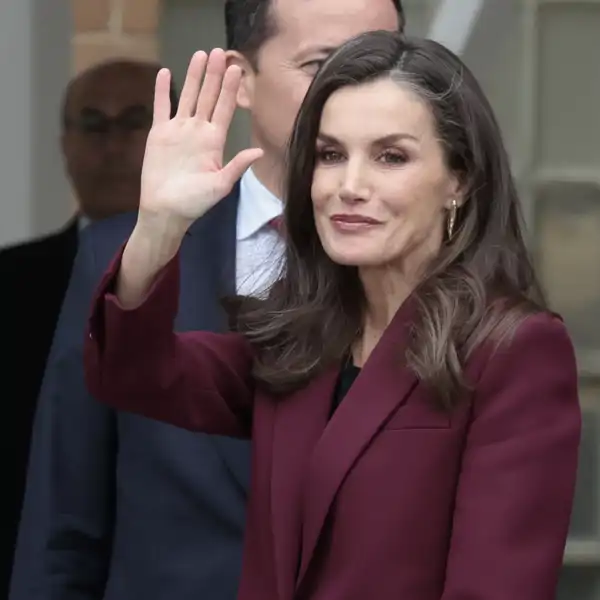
x,y
183,173
181,167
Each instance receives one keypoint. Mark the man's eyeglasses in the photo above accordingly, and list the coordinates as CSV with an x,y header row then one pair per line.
x,y
94,121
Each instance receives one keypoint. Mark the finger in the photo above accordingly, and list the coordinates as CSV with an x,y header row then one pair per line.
x,y
162,96
227,102
236,167
191,85
211,87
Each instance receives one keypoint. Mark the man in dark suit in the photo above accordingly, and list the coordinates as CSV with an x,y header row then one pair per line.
x,y
106,118
119,507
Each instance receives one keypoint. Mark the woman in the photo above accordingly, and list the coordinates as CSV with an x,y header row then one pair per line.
x,y
413,407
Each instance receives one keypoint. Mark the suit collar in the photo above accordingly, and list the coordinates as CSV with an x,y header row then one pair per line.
x,y
68,237
71,228
313,455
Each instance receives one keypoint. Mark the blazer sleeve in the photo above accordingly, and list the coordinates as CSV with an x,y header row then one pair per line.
x,y
65,533
517,482
135,362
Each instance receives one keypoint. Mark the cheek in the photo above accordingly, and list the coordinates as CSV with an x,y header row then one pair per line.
x,y
321,190
301,85
415,219
86,160
276,106
415,198
283,88
137,147
321,195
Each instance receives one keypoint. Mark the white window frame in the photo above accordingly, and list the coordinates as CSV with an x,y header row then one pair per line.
x,y
579,552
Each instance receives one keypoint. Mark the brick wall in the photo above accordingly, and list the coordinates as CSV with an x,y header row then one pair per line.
x,y
105,29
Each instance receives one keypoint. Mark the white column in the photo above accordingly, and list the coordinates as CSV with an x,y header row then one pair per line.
x,y
34,69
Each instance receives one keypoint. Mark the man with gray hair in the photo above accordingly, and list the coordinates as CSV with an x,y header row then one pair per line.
x,y
107,113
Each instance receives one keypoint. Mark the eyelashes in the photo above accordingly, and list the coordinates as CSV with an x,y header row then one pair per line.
x,y
391,157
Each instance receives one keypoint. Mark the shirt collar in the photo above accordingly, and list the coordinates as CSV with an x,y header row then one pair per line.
x,y
82,222
257,206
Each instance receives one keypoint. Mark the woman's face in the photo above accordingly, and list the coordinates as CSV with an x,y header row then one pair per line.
x,y
381,189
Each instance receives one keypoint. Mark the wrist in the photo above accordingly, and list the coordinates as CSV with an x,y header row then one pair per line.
x,y
152,246
147,252
161,229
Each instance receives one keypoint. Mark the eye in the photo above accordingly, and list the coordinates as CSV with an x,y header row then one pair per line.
x,y
327,155
312,66
393,157
92,121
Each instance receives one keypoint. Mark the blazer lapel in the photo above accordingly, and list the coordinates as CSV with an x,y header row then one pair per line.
x,y
299,423
382,386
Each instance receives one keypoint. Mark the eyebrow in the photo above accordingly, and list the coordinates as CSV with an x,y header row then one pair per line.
x,y
386,139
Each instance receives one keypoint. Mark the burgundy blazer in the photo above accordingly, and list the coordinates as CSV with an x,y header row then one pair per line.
x,y
390,499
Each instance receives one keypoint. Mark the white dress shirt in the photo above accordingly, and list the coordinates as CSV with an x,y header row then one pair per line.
x,y
259,248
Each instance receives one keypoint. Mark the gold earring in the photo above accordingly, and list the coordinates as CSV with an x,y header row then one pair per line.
x,y
452,218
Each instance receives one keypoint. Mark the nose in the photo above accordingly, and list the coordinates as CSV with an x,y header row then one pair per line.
x,y
354,187
115,142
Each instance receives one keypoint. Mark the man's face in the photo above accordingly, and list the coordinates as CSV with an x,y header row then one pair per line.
x,y
109,114
307,32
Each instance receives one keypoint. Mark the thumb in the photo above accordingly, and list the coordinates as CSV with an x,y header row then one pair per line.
x,y
236,167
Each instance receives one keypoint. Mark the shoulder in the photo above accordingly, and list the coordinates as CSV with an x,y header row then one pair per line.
x,y
109,234
39,251
19,254
101,240
529,369
538,337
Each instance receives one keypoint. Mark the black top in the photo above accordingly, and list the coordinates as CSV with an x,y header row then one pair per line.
x,y
347,377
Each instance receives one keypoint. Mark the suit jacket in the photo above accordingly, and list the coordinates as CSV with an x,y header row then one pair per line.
x,y
390,498
29,272
120,507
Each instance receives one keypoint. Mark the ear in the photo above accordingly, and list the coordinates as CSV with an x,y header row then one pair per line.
x,y
456,190
68,147
245,96
64,144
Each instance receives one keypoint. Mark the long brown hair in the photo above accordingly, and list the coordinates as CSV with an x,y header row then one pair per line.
x,y
482,282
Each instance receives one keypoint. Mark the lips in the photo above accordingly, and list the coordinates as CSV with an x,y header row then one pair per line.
x,y
355,220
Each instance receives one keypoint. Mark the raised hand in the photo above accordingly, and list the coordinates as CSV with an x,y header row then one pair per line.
x,y
183,174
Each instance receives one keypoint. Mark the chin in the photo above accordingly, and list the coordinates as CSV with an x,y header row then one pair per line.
x,y
355,257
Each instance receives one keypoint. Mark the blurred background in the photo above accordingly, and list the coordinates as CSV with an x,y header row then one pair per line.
x,y
538,61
